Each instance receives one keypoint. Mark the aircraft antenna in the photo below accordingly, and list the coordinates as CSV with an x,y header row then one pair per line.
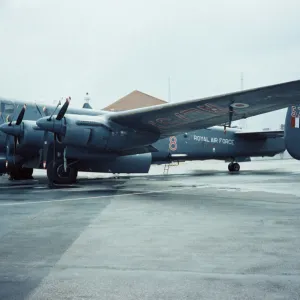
x,y
243,123
87,98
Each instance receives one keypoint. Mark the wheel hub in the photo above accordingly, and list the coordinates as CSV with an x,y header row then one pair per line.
x,y
61,171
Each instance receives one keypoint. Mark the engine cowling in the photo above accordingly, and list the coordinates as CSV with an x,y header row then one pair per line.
x,y
85,132
25,133
29,136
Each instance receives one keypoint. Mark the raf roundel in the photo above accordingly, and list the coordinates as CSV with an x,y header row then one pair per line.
x,y
239,105
173,143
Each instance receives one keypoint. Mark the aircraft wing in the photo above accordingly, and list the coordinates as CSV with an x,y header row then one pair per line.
x,y
175,118
260,135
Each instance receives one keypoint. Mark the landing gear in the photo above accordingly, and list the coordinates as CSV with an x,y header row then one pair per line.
x,y
19,173
233,167
58,175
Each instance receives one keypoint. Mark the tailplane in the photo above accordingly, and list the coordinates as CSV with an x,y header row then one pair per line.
x,y
292,131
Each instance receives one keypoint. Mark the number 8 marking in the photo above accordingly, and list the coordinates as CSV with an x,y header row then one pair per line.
x,y
173,143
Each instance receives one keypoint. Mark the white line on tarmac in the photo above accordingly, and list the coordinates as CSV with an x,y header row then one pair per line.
x,y
95,197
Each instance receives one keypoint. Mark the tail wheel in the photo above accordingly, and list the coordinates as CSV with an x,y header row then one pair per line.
x,y
57,174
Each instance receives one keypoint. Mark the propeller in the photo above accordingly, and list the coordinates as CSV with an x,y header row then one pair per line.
x,y
13,130
59,117
18,123
45,144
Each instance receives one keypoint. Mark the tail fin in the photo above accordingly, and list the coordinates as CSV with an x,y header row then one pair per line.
x,y
292,131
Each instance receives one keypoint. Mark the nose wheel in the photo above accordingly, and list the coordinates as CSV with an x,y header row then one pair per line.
x,y
233,167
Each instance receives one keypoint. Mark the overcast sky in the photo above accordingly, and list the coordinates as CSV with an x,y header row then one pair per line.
x,y
55,48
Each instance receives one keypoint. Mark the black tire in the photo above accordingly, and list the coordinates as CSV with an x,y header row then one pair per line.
x,y
236,167
56,174
230,167
18,173
26,173
15,174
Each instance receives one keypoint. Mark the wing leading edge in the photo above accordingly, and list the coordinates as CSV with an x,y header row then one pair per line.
x,y
175,118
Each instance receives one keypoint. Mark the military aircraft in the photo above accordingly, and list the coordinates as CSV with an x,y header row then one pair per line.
x,y
82,139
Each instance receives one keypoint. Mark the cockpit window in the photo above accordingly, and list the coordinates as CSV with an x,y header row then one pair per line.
x,y
7,108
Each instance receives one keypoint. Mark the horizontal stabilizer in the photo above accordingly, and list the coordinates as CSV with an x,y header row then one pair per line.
x,y
260,135
139,150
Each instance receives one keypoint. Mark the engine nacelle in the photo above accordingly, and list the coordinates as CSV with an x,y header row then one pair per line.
x,y
83,131
29,136
96,132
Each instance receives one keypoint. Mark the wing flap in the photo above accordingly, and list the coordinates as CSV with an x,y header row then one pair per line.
x,y
175,118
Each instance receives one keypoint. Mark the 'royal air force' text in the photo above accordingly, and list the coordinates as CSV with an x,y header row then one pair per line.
x,y
214,140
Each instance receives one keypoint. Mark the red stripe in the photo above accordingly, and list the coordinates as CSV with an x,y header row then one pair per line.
x,y
293,121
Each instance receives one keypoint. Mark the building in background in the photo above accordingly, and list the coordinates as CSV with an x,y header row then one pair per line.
x,y
135,99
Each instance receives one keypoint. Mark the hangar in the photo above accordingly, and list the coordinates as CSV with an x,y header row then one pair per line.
x,y
135,99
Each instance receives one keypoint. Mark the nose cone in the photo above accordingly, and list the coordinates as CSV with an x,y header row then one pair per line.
x,y
10,129
45,123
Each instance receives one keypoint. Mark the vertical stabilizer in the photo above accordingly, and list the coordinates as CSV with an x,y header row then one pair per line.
x,y
292,131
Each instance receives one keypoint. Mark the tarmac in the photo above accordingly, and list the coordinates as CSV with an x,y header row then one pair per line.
x,y
197,233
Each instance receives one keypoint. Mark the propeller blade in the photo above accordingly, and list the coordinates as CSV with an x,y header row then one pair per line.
x,y
7,148
54,148
21,115
38,109
63,110
15,148
12,118
58,104
45,149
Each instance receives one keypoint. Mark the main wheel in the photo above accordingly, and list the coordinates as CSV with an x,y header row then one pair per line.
x,y
19,173
236,167
230,167
26,173
57,174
